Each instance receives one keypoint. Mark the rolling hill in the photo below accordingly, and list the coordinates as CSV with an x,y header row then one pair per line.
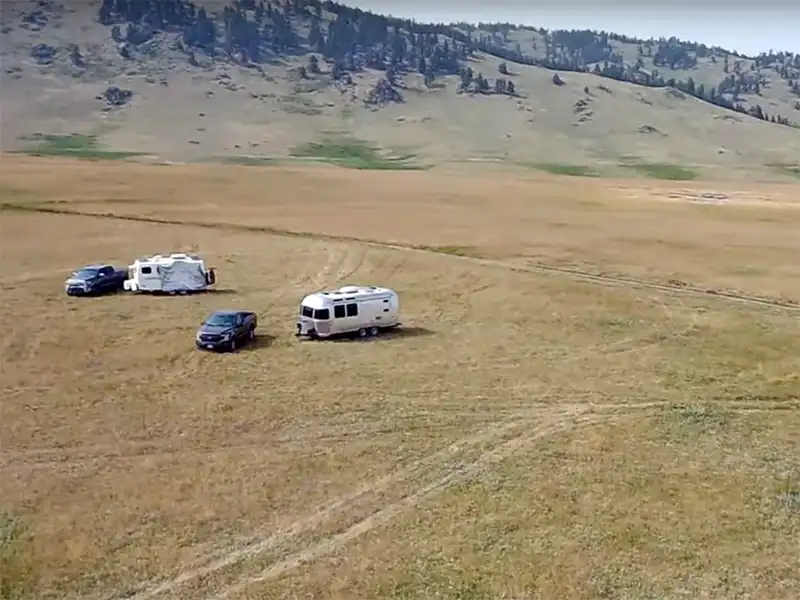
x,y
256,80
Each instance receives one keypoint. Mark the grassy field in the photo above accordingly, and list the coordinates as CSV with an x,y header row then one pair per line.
x,y
571,410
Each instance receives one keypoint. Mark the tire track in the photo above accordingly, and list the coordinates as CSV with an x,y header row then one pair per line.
x,y
534,424
503,435
322,274
317,517
345,272
346,429
297,438
310,275
575,274
543,429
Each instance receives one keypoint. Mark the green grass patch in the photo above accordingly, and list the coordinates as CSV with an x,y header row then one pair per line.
x,y
693,420
662,171
788,495
74,145
791,170
564,169
452,250
250,161
355,154
16,575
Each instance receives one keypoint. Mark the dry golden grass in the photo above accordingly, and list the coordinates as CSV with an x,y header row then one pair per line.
x,y
658,231
527,434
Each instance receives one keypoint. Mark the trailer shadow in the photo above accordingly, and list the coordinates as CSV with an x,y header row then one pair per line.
x,y
185,294
391,334
180,294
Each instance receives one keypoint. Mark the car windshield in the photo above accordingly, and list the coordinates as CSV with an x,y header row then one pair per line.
x,y
221,320
86,273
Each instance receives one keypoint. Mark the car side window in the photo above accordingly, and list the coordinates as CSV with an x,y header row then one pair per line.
x,y
338,311
352,310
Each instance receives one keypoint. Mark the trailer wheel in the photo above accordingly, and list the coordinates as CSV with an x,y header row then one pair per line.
x,y
373,331
362,333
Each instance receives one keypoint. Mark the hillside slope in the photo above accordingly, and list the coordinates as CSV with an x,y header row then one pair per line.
x,y
264,79
766,86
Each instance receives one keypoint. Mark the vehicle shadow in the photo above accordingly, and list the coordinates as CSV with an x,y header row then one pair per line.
x,y
95,295
262,340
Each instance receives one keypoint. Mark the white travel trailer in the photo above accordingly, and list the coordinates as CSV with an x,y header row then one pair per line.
x,y
173,274
363,309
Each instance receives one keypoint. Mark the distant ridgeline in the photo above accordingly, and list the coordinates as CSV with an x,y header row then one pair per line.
x,y
351,39
585,51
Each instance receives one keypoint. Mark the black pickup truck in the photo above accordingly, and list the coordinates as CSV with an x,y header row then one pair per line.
x,y
95,280
227,330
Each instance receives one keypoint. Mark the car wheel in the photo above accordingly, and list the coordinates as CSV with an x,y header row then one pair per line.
x,y
251,335
233,345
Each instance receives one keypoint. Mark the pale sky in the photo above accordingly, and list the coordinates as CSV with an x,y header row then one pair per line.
x,y
751,29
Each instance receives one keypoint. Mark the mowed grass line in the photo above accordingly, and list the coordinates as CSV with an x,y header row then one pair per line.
x,y
467,253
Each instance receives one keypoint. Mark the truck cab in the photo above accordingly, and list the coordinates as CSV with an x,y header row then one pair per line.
x,y
95,279
227,330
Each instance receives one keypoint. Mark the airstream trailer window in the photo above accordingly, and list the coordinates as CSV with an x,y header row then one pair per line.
x,y
146,270
338,311
307,312
322,314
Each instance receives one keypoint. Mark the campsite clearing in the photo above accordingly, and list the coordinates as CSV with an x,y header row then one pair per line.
x,y
565,413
